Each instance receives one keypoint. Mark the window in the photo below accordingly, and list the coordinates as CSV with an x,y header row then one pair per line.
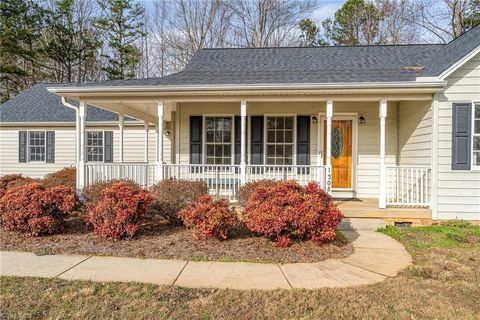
x,y
218,140
279,140
36,146
476,135
95,146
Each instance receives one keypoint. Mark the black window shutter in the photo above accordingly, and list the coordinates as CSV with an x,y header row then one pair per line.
x,y
238,139
303,140
196,139
461,136
22,146
50,156
257,139
108,146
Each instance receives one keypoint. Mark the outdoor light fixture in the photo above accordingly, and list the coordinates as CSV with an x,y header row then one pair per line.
x,y
362,119
314,119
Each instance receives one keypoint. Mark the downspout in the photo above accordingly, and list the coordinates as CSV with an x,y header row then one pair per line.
x,y
77,134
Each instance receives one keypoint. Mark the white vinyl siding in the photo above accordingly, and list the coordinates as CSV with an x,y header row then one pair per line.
x,y
415,133
458,191
65,148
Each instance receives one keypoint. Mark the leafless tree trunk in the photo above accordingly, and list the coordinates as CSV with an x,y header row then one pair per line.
x,y
268,23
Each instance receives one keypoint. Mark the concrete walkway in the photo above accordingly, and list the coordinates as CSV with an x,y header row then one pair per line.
x,y
375,258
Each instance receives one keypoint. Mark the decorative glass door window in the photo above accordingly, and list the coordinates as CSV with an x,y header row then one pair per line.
x,y
337,143
218,140
36,145
476,135
95,146
280,140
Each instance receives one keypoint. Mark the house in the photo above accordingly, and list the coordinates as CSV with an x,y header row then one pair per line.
x,y
396,125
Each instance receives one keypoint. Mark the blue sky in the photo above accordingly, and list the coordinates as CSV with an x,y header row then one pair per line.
x,y
326,8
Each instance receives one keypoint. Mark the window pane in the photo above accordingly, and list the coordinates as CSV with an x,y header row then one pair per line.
x,y
270,151
279,136
477,126
280,123
288,151
279,151
289,136
271,136
289,123
227,136
210,136
227,150
476,158
476,143
210,150
270,123
477,111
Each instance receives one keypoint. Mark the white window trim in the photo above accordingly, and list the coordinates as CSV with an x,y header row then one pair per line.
x,y
294,149
28,146
472,166
86,144
204,138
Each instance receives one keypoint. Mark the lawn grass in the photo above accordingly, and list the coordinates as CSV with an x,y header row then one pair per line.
x,y
442,283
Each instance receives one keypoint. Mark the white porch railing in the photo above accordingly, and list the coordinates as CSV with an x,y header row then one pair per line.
x,y
141,173
222,180
408,186
303,174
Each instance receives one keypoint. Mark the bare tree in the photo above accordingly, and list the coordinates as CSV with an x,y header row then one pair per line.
x,y
267,23
394,25
446,19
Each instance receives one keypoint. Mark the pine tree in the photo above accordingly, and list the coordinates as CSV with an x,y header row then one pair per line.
x,y
21,24
122,25
70,42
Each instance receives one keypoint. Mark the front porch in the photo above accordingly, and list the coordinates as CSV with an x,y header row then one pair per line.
x,y
367,147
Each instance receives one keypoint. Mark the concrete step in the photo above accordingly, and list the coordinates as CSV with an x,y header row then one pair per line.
x,y
353,224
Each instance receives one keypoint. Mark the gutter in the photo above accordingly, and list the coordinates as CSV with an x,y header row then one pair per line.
x,y
239,87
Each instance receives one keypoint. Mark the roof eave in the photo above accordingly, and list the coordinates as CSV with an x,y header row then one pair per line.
x,y
432,83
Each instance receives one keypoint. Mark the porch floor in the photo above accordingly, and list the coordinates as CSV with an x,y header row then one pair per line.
x,y
368,208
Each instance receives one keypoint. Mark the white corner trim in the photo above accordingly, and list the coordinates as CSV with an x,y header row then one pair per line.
x,y
458,64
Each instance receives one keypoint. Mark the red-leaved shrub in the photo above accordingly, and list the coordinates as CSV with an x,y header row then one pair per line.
x,y
12,180
93,192
287,211
35,210
246,190
208,218
65,177
120,211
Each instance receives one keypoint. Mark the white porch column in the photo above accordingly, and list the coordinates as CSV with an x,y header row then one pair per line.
x,y
82,112
328,152
146,126
121,123
243,142
382,192
159,171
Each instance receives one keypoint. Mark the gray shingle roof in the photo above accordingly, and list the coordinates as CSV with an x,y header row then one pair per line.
x,y
382,63
36,104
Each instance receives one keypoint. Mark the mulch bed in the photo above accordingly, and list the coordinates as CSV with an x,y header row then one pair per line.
x,y
159,240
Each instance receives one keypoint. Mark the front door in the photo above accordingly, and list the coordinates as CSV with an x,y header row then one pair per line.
x,y
341,153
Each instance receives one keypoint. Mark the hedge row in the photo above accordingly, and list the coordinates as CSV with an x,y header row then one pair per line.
x,y
282,211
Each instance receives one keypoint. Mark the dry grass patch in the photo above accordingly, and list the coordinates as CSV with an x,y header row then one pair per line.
x,y
443,283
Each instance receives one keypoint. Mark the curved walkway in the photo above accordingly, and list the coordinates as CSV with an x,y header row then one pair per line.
x,y
376,257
